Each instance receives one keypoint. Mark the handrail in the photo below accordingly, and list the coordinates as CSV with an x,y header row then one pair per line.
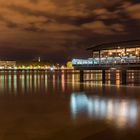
x,y
107,61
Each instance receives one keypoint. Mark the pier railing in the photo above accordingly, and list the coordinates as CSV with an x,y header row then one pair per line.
x,y
107,61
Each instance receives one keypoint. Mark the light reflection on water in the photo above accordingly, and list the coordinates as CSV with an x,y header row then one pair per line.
x,y
34,81
117,109
27,81
119,112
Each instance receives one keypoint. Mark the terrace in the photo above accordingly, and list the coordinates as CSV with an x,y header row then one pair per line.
x,y
112,54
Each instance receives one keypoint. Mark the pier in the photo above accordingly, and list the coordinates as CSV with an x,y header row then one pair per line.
x,y
122,56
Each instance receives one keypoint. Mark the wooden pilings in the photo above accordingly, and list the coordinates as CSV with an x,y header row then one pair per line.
x,y
113,77
124,77
103,76
81,76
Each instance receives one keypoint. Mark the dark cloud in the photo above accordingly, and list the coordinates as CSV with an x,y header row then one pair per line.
x,y
60,30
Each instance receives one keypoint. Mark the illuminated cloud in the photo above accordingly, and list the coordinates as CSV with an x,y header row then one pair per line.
x,y
100,27
133,10
47,27
102,13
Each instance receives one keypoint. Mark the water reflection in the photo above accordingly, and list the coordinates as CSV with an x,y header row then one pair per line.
x,y
34,81
42,81
120,112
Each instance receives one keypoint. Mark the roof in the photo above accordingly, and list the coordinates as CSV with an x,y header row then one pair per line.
x,y
115,45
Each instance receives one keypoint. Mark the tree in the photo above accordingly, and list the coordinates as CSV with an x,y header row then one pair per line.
x,y
69,64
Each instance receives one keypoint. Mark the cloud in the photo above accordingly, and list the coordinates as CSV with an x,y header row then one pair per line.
x,y
100,27
133,10
102,13
51,26
60,27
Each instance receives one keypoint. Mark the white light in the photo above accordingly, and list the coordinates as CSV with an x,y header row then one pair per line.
x,y
136,52
82,62
51,68
1,67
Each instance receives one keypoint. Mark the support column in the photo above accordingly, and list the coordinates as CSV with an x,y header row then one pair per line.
x,y
124,77
125,51
103,76
113,76
82,76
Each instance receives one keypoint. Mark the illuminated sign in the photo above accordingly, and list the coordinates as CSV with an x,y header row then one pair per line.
x,y
82,62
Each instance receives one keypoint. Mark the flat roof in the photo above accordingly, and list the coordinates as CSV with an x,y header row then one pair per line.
x,y
116,45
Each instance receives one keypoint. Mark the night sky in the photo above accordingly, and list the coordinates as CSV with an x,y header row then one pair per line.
x,y
59,30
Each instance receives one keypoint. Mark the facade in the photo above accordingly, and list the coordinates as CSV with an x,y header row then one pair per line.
x,y
110,53
7,64
117,49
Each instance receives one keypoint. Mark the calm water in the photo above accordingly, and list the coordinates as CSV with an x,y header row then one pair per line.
x,y
55,106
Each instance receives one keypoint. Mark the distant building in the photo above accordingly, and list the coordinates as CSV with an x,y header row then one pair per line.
x,y
7,64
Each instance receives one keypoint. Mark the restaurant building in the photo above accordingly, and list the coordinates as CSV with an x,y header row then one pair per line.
x,y
110,53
